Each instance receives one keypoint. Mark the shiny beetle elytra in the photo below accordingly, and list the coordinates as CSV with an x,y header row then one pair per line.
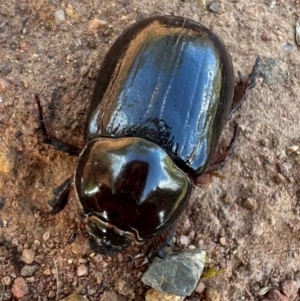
x,y
162,97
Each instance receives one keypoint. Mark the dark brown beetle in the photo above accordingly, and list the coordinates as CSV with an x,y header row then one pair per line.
x,y
161,99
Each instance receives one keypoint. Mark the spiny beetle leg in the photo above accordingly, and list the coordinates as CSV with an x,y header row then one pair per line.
x,y
242,87
157,248
217,161
62,195
48,138
75,233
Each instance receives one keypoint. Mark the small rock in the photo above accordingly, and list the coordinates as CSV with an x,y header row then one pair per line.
x,y
60,15
125,288
40,287
288,47
29,270
216,7
81,246
153,295
4,85
279,179
28,256
250,204
20,288
298,33
66,99
70,12
112,296
51,294
82,270
275,295
96,24
200,288
211,295
47,272
290,289
74,297
120,257
99,278
46,235
293,148
223,241
6,280
184,240
177,273
91,292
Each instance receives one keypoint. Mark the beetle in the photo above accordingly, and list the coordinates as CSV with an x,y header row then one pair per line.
x,y
162,97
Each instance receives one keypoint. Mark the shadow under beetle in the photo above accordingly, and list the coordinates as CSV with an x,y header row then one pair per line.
x,y
161,100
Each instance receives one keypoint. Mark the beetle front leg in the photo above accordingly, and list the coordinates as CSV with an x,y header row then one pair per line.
x,y
242,87
62,193
157,248
59,202
48,138
217,161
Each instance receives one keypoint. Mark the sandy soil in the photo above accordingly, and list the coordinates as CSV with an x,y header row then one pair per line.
x,y
248,221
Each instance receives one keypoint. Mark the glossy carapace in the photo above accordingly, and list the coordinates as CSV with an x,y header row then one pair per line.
x,y
161,99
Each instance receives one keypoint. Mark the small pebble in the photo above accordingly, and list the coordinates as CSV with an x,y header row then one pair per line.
x,y
279,179
40,286
211,295
250,204
28,256
60,15
20,288
184,240
125,288
46,235
66,99
120,257
96,24
297,33
99,279
29,270
47,272
290,289
74,297
4,85
6,280
51,294
82,270
200,288
70,12
153,295
216,7
275,295
288,47
223,241
293,148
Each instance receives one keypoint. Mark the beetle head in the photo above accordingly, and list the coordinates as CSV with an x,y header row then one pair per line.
x,y
106,239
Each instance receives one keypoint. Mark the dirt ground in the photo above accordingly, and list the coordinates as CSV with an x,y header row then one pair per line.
x,y
247,220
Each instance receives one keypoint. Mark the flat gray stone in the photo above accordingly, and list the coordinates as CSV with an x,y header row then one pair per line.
x,y
177,273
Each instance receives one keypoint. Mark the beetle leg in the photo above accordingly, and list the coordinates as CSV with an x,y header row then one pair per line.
x,y
48,138
60,201
157,248
62,195
217,161
73,236
242,87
